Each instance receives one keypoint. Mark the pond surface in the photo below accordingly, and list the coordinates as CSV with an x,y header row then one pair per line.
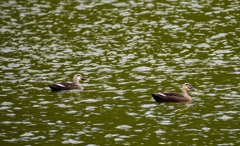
x,y
128,50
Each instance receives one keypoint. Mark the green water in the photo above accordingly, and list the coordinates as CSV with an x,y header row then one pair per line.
x,y
128,50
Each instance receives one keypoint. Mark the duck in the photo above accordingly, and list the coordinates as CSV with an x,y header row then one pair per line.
x,y
69,86
175,97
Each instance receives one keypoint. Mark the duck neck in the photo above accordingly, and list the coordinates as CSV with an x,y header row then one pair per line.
x,y
76,81
184,92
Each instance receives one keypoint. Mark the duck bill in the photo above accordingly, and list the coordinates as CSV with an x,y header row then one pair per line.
x,y
84,78
193,89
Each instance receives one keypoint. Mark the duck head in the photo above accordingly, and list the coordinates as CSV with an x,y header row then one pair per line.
x,y
187,86
78,77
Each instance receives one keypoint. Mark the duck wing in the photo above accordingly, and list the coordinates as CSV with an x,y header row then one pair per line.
x,y
63,86
169,97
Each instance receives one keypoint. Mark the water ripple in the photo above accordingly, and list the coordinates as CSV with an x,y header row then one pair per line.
x,y
128,50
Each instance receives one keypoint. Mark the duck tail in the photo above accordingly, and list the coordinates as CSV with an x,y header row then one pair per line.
x,y
53,88
154,96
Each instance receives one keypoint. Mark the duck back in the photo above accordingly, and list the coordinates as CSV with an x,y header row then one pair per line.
x,y
169,97
64,86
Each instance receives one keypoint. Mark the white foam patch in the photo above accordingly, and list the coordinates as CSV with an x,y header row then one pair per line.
x,y
60,85
161,94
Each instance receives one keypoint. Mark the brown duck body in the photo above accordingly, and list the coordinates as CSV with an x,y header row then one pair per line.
x,y
170,97
65,86
69,86
174,97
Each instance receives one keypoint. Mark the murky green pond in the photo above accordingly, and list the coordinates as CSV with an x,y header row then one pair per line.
x,y
128,50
